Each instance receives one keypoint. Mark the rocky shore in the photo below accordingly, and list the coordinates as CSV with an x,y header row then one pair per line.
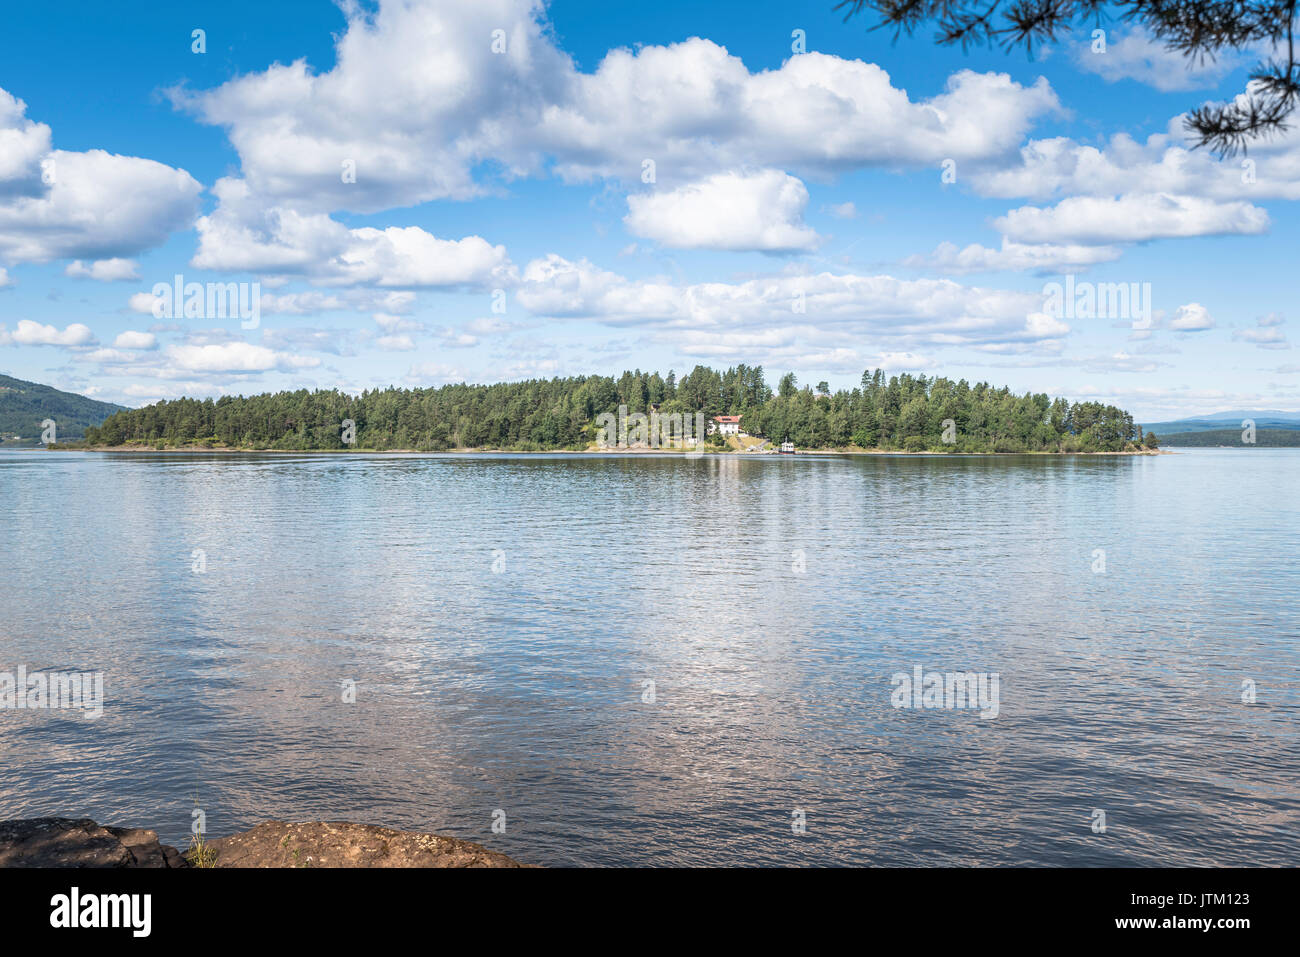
x,y
68,842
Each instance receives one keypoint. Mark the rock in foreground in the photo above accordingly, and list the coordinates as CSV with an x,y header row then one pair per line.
x,y
340,844
65,842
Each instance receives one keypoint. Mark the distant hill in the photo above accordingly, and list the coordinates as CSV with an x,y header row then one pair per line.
x,y
1263,419
24,405
1264,438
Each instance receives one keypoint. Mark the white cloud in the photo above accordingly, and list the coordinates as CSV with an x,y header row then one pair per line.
x,y
103,270
56,204
843,310
234,357
22,145
696,109
417,102
29,333
842,210
760,210
450,338
241,236
1133,55
1162,163
107,355
334,341
1040,257
142,302
135,340
1192,317
1129,218
1267,333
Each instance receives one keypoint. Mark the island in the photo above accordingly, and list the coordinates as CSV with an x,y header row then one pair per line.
x,y
705,410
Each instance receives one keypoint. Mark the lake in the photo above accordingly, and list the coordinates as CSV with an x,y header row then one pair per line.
x,y
653,660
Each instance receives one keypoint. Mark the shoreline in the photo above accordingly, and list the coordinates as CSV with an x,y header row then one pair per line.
x,y
199,450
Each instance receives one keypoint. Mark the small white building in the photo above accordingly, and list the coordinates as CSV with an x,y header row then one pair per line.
x,y
726,424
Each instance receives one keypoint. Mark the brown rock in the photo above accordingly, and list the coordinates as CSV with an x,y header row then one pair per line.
x,y
340,844
65,842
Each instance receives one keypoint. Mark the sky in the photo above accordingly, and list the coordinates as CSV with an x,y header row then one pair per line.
x,y
416,193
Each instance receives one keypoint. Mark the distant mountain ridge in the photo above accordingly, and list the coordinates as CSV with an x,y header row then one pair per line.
x,y
24,405
1263,419
1232,439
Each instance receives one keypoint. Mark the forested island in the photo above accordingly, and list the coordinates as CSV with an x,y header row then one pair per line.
x,y
902,413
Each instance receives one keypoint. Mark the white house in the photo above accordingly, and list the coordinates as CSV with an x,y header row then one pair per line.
x,y
726,424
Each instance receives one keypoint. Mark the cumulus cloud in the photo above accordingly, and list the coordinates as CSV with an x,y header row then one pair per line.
x,y
135,340
1162,163
56,204
695,108
1127,191
103,270
240,235
1130,218
417,102
833,310
760,210
427,100
417,97
29,333
23,143
1192,317
418,106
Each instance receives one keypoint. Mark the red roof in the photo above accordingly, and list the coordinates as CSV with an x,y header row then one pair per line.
x,y
726,418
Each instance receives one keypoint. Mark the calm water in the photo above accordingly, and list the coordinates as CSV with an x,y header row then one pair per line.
x,y
770,600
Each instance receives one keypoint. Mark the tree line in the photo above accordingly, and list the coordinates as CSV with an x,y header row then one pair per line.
x,y
904,412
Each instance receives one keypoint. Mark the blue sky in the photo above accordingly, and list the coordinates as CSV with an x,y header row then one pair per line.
x,y
498,223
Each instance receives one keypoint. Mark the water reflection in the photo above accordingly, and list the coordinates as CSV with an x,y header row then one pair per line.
x,y
502,615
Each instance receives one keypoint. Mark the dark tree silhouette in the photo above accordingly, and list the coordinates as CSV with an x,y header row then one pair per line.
x,y
1198,29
